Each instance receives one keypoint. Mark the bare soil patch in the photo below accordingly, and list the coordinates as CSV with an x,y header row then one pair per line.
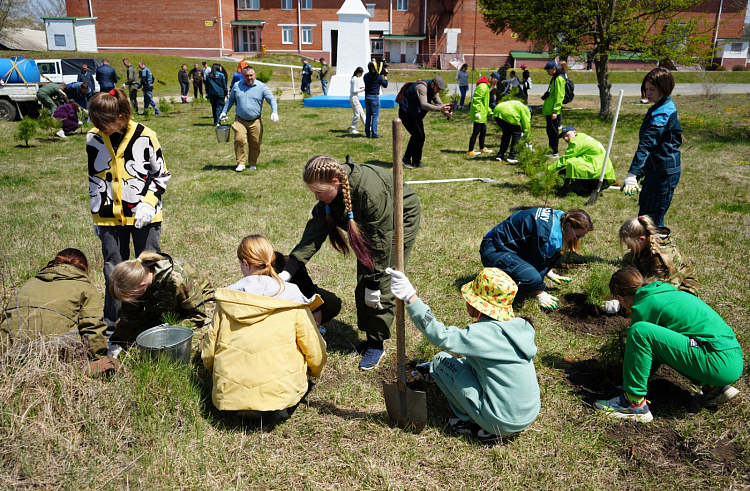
x,y
581,318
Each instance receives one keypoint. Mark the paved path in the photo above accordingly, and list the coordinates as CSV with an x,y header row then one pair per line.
x,y
630,89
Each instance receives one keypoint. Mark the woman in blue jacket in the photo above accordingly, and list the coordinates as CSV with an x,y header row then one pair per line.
x,y
216,91
528,243
657,159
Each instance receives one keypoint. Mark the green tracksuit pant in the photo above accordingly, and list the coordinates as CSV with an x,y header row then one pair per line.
x,y
649,345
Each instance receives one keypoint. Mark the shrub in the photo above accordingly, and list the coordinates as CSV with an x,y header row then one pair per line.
x,y
596,285
741,68
26,130
165,105
264,75
278,92
721,68
46,122
542,183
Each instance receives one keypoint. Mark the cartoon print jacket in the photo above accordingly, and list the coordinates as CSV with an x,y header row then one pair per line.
x,y
119,181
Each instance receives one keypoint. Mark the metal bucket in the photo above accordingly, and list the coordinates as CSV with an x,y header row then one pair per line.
x,y
174,342
222,133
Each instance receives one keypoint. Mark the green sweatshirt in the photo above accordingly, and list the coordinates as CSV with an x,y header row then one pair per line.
x,y
583,159
480,101
661,304
59,299
516,113
553,103
501,355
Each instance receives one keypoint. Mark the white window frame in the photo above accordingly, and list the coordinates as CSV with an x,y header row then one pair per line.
x,y
238,41
286,4
370,10
305,5
374,42
287,34
402,5
307,34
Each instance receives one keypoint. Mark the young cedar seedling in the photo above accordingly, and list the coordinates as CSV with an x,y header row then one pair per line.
x,y
596,285
27,129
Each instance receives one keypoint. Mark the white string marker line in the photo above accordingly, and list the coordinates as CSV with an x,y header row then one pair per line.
x,y
483,179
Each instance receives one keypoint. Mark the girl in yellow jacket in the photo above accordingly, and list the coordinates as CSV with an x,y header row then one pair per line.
x,y
264,342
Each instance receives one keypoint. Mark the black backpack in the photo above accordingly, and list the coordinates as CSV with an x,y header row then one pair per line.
x,y
570,89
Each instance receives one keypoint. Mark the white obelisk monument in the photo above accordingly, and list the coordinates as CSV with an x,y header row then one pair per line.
x,y
353,45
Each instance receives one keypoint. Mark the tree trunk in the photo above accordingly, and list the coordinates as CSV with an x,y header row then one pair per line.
x,y
605,93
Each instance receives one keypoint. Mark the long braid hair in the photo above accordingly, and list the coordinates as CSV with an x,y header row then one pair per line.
x,y
257,251
322,169
642,226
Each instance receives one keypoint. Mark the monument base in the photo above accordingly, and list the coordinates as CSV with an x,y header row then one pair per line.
x,y
387,101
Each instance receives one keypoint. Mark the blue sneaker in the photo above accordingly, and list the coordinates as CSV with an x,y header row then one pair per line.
x,y
621,407
713,396
372,358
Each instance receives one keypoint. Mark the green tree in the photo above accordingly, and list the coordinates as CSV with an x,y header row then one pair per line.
x,y
26,130
657,28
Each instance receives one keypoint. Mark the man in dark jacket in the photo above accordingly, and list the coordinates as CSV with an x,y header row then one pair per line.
x,y
374,79
306,77
182,77
196,76
147,85
131,83
106,76
87,76
421,97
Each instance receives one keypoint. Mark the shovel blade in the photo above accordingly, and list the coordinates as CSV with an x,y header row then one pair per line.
x,y
407,408
593,198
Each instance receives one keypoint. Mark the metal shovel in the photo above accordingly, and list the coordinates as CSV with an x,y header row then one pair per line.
x,y
595,193
407,408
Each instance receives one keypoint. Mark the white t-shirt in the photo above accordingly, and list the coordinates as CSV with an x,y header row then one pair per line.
x,y
356,86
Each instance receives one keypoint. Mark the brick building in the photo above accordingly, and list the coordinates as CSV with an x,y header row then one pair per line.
x,y
402,31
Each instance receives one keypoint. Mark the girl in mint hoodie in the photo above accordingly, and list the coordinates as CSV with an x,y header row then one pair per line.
x,y
480,109
492,389
677,329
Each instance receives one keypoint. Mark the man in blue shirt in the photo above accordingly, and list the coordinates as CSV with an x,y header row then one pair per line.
x,y
147,85
106,76
248,94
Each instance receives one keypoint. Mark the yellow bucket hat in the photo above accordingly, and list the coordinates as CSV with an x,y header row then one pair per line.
x,y
492,293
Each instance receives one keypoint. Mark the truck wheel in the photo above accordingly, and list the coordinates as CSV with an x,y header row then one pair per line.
x,y
7,111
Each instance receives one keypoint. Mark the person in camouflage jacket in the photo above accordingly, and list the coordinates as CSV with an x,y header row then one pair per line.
x,y
654,253
157,284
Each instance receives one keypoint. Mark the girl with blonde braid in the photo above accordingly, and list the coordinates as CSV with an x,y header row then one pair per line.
x,y
654,253
359,199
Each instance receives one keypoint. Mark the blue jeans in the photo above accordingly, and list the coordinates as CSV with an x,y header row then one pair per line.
x,y
372,107
217,104
462,89
305,85
148,100
656,196
526,276
324,83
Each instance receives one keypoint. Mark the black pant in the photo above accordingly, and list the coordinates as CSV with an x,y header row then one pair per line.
x,y
415,126
197,87
331,303
552,132
511,135
480,129
184,89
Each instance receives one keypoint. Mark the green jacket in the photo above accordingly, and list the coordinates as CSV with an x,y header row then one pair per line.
x,y
583,159
516,113
51,90
371,190
663,305
132,77
501,356
324,72
178,287
480,102
59,299
553,103
668,265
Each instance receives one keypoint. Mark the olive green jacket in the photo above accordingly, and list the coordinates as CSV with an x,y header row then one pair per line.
x,y
669,266
178,288
371,190
59,299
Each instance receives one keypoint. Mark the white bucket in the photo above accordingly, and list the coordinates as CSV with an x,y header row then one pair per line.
x,y
222,133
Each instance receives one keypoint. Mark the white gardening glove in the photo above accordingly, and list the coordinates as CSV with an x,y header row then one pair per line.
x,y
275,118
547,301
611,307
284,275
222,117
477,116
123,86
630,185
557,278
400,285
143,213
372,299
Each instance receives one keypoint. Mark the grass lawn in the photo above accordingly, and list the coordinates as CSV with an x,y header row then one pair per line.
x,y
154,426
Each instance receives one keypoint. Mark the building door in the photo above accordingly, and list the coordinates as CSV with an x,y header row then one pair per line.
x,y
334,46
246,39
410,53
395,53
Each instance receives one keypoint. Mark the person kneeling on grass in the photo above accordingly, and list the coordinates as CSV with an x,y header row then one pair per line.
x,y
157,284
492,390
677,329
263,342
581,165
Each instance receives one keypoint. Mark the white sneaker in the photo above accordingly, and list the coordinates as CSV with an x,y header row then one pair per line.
x,y
553,156
61,134
252,167
353,132
240,168
511,160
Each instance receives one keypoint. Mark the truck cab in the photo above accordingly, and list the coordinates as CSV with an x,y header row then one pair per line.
x,y
66,70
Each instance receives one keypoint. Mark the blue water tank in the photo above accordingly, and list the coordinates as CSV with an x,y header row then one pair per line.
x,y
17,70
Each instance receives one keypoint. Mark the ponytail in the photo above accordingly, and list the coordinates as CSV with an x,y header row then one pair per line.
x,y
71,256
644,226
322,169
125,280
110,111
257,251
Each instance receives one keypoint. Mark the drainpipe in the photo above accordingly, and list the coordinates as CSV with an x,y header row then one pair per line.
x,y
91,11
221,29
299,26
716,32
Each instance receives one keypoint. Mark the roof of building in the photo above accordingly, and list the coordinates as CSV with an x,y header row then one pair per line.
x,y
403,36
22,39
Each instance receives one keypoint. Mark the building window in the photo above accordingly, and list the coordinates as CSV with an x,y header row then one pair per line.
x,y
248,4
306,5
287,35
246,38
286,4
402,5
307,35
371,10
60,40
376,46
735,48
